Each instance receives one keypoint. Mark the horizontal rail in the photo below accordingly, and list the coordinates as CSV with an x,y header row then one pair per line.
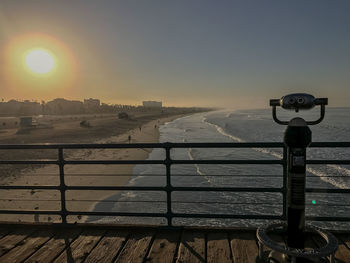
x,y
143,145
175,215
28,162
80,146
229,189
29,187
179,215
248,161
115,162
327,190
328,162
178,162
330,144
80,162
30,212
328,218
147,188
157,201
186,175
227,161
167,145
132,214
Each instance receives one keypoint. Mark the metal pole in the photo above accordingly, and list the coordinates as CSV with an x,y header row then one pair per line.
x,y
285,187
62,186
168,183
297,137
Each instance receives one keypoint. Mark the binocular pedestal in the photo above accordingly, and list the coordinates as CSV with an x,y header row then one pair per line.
x,y
297,137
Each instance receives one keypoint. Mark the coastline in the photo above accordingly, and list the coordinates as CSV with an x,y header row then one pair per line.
x,y
81,175
149,134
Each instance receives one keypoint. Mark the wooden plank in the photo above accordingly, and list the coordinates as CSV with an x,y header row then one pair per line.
x,y
27,246
218,248
136,247
192,247
108,247
244,248
54,246
11,240
4,232
81,247
164,247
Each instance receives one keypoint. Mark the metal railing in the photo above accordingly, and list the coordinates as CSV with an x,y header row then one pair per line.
x,y
168,161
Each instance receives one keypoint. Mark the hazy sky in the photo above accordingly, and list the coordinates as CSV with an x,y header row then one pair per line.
x,y
185,52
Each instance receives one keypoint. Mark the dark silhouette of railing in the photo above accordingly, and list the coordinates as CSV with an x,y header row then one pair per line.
x,y
168,188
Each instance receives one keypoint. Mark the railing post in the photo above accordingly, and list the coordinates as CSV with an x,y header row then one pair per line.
x,y
168,163
62,186
285,170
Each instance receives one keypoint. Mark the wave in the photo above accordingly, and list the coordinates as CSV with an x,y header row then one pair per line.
x,y
220,130
198,170
190,155
339,169
318,173
323,176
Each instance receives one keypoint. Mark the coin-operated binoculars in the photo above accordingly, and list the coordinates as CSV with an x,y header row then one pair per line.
x,y
297,137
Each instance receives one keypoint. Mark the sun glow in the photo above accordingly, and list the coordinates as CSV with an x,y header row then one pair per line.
x,y
40,61
39,65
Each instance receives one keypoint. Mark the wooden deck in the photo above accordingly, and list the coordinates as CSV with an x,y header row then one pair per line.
x,y
110,244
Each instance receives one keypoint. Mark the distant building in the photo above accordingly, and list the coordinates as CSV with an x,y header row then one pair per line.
x,y
61,106
14,107
30,107
152,104
92,105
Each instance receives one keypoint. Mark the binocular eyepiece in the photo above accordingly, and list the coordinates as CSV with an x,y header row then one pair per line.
x,y
298,101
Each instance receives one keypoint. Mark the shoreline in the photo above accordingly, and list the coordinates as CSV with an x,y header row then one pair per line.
x,y
67,129
136,154
98,175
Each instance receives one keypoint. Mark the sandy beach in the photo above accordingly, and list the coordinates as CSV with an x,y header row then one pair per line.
x,y
143,128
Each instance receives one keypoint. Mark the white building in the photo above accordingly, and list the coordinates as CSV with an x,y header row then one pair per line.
x,y
152,104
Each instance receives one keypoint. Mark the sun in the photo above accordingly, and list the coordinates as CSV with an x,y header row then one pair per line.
x,y
40,61
39,64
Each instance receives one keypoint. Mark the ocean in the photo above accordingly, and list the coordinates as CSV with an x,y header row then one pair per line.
x,y
237,126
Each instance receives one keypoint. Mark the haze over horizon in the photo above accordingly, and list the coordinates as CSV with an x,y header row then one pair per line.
x,y
235,54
